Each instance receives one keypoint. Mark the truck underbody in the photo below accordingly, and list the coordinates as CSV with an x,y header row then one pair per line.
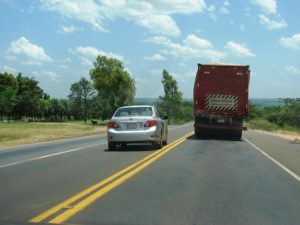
x,y
219,124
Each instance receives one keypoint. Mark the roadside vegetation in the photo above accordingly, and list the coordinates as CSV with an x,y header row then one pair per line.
x,y
21,97
20,132
28,114
172,104
283,117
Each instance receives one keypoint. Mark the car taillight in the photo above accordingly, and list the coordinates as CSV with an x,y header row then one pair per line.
x,y
112,124
150,123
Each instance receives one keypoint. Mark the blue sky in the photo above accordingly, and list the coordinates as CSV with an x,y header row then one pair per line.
x,y
56,41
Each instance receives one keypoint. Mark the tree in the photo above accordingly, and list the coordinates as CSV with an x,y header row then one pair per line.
x,y
255,111
81,93
114,85
7,80
171,101
7,99
8,85
28,94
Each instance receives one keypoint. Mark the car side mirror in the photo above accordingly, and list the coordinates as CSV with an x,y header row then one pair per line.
x,y
165,117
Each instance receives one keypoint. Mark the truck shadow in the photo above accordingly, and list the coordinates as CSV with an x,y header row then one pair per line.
x,y
217,137
133,148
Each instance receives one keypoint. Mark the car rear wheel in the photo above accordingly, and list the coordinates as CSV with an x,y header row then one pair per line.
x,y
165,142
111,146
159,144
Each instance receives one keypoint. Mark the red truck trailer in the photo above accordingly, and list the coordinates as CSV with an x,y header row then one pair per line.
x,y
221,99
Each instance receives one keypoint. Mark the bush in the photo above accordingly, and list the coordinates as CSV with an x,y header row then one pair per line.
x,y
94,122
262,124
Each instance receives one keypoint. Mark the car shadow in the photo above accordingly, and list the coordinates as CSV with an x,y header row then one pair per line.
x,y
217,137
133,148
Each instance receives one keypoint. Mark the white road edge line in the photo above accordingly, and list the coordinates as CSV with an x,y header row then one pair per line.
x,y
67,151
290,172
48,156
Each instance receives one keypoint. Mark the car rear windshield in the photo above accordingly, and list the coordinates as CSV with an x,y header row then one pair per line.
x,y
134,111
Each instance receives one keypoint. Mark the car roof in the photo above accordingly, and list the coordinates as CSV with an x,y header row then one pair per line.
x,y
136,106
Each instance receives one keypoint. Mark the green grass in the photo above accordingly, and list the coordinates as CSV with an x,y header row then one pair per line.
x,y
17,133
263,124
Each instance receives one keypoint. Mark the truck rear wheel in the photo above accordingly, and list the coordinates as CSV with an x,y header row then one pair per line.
x,y
237,136
197,133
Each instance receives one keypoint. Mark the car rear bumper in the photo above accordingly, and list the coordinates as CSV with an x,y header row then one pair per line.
x,y
150,135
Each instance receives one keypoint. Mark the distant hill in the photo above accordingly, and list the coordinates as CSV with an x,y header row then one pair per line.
x,y
266,101
258,101
145,101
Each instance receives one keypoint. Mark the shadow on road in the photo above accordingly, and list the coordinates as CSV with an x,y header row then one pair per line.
x,y
134,148
217,137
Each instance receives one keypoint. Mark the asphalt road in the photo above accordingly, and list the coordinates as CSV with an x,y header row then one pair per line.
x,y
212,181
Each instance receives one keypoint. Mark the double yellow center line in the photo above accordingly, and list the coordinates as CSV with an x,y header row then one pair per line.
x,y
65,210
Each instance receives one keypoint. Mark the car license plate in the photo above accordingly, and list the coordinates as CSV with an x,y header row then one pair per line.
x,y
131,126
221,120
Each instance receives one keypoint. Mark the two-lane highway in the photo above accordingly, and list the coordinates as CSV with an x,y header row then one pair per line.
x,y
190,181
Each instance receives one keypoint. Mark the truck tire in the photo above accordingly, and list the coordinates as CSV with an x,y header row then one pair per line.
x,y
237,136
197,133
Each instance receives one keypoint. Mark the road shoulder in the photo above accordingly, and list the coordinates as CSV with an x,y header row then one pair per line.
x,y
283,149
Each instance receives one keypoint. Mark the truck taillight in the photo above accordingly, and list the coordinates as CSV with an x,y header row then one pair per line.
x,y
112,124
150,123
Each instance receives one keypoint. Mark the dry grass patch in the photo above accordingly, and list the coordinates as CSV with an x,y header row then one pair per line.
x,y
17,133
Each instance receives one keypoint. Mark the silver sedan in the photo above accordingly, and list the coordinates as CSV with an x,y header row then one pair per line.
x,y
137,124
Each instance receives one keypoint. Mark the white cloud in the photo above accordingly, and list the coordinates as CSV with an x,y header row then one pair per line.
x,y
52,76
247,11
291,42
268,6
68,29
195,42
93,52
292,69
27,53
242,27
154,15
271,24
211,12
178,6
86,11
160,24
64,66
191,47
89,54
211,8
224,9
88,51
8,69
238,50
156,72
155,57
226,3
85,61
